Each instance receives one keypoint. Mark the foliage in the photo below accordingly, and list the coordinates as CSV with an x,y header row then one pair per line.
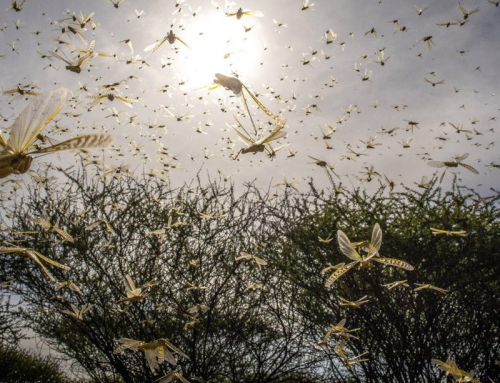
x,y
10,326
17,365
240,321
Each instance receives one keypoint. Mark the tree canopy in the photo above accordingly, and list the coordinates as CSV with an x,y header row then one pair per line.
x,y
235,280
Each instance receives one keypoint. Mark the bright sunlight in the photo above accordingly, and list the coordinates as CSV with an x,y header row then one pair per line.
x,y
226,49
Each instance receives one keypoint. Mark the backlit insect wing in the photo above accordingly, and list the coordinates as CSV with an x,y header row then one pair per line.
x,y
438,164
347,248
157,44
77,313
245,138
395,262
33,119
243,256
468,167
127,343
376,241
260,262
338,273
129,284
39,112
88,54
461,158
80,142
275,134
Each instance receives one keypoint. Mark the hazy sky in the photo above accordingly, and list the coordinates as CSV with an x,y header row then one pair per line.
x,y
270,60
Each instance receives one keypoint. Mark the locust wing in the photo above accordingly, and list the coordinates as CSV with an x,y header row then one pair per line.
x,y
80,142
468,167
127,343
436,164
39,112
376,241
347,247
395,262
338,273
155,46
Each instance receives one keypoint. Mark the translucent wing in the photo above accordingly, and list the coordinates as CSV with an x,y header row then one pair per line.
x,y
3,143
129,283
153,47
244,255
80,142
245,139
395,262
462,157
151,358
39,112
376,241
468,167
126,344
346,247
436,164
54,54
82,60
64,234
276,134
341,324
260,261
338,273
174,349
45,224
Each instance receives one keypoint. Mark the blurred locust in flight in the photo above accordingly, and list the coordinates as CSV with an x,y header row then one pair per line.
x,y
452,164
15,154
451,368
75,65
241,12
156,352
170,37
237,87
17,5
459,233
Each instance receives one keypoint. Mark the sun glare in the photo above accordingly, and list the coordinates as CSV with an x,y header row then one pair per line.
x,y
217,46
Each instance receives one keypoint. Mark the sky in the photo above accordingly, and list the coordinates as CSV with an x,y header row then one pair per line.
x,y
281,53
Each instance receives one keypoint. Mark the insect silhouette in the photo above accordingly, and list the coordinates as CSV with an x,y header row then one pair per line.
x,y
171,37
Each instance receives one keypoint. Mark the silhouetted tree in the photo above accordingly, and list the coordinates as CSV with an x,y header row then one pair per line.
x,y
17,365
256,322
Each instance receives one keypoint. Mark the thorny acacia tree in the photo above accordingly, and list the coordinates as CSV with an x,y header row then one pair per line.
x,y
239,323
186,240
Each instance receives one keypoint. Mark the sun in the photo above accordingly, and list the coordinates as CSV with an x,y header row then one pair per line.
x,y
217,44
